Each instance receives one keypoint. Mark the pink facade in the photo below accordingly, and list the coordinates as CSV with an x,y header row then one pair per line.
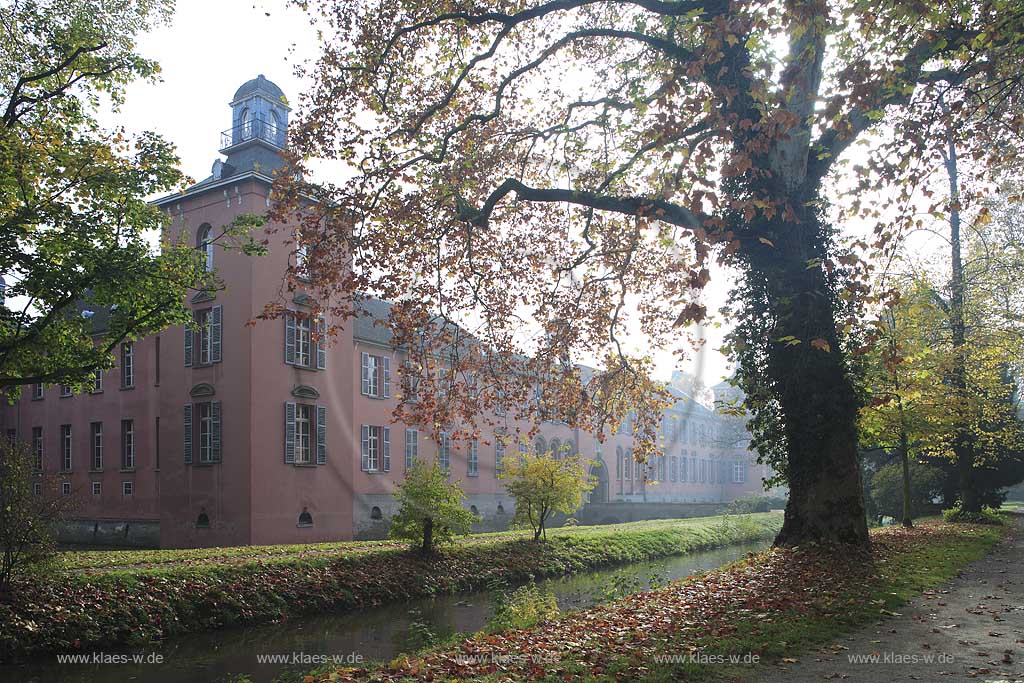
x,y
237,433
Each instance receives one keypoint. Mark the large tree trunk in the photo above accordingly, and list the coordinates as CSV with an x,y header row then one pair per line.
x,y
809,379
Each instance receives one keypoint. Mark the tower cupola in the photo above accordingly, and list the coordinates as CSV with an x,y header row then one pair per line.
x,y
259,119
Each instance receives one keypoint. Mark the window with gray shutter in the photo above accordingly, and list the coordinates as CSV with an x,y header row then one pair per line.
x,y
188,345
321,435
215,334
386,373
289,432
386,447
365,374
187,434
215,442
289,339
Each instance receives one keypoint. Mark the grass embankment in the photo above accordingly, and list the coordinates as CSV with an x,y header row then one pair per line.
x,y
772,605
108,599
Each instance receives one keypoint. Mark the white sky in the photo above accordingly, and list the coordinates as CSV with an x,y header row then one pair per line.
x,y
212,47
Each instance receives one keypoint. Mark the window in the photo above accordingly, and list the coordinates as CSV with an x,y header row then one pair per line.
x,y
127,488
556,449
65,447
739,473
202,423
410,380
375,448
96,486
444,451
300,348
682,468
127,365
203,521
303,418
703,470
473,459
376,376
412,447
618,462
693,470
499,404
37,448
128,444
204,243
627,468
305,519
673,467
661,468
97,382
209,320
65,391
37,391
711,471
499,456
96,439
37,489
305,433
65,488
207,333
12,436
375,513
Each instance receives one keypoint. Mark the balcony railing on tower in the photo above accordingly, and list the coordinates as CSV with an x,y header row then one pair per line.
x,y
254,129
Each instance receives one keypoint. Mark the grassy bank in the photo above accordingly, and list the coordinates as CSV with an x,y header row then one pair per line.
x,y
772,605
97,600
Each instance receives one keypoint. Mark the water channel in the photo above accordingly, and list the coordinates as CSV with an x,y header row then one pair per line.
x,y
233,655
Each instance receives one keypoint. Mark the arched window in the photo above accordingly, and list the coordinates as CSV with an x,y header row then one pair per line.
x,y
472,508
501,509
246,124
203,521
556,449
204,243
540,446
375,513
618,462
305,519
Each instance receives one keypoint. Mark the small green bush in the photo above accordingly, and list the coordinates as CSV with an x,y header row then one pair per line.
x,y
752,504
986,516
524,607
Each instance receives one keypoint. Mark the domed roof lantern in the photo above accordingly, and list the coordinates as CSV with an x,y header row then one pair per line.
x,y
259,119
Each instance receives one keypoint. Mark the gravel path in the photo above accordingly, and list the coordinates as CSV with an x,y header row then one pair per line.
x,y
971,629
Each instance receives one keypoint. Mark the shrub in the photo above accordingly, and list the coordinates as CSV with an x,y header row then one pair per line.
x,y
525,607
543,485
742,506
986,516
887,489
431,509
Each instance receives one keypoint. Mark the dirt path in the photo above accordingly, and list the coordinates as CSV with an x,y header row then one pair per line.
x,y
972,629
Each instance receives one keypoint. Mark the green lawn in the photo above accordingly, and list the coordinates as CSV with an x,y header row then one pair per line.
x,y
120,560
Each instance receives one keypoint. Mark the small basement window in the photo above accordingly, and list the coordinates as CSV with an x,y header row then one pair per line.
x,y
305,519
203,521
472,508
375,513
501,509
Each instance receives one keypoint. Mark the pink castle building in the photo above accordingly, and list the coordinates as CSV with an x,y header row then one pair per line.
x,y
232,434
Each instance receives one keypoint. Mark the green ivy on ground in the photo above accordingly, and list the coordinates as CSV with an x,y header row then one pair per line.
x,y
149,595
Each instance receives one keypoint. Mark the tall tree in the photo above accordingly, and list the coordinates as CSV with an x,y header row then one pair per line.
x,y
574,167
76,230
